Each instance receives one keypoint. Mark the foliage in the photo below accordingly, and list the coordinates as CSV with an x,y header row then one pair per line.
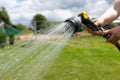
x,y
4,16
112,25
54,23
23,29
11,39
45,24
3,38
40,21
20,27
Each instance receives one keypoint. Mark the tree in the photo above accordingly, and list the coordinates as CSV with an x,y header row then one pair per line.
x,y
40,21
4,16
20,27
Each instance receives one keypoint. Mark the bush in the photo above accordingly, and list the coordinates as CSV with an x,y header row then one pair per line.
x,y
3,38
11,39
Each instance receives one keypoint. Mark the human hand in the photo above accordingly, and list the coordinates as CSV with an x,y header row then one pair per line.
x,y
100,32
97,22
115,35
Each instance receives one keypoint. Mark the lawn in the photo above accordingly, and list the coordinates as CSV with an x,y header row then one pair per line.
x,y
87,58
83,58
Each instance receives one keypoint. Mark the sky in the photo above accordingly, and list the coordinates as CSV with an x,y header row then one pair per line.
x,y
22,11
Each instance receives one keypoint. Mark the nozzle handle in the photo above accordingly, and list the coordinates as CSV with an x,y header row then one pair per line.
x,y
90,24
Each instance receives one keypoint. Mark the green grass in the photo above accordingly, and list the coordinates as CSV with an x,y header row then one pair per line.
x,y
85,58
88,58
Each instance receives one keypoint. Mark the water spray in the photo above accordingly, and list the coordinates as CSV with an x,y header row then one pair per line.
x,y
83,17
34,62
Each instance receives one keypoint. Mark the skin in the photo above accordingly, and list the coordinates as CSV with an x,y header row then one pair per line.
x,y
108,17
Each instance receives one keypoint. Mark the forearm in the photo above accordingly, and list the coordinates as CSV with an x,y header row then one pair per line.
x,y
112,13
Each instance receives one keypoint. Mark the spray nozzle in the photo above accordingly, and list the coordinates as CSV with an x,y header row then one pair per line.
x,y
76,21
88,22
84,18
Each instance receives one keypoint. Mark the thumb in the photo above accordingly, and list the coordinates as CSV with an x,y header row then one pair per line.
x,y
97,23
106,32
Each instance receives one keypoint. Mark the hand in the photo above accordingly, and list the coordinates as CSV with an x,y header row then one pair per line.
x,y
115,35
97,22
100,32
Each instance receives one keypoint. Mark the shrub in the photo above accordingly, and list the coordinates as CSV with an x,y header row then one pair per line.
x,y
3,38
11,39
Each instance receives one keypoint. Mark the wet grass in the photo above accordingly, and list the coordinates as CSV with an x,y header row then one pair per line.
x,y
86,58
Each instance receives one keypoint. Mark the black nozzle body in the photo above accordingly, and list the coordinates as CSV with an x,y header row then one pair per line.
x,y
75,22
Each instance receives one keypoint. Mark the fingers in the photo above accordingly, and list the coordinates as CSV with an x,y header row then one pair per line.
x,y
112,39
105,32
98,22
99,33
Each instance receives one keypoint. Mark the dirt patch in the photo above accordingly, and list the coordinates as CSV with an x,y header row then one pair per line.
x,y
39,37
32,36
26,37
81,34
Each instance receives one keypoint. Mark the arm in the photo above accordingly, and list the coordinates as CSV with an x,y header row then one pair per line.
x,y
111,14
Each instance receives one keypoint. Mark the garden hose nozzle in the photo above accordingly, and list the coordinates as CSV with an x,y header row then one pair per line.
x,y
74,22
84,19
90,24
